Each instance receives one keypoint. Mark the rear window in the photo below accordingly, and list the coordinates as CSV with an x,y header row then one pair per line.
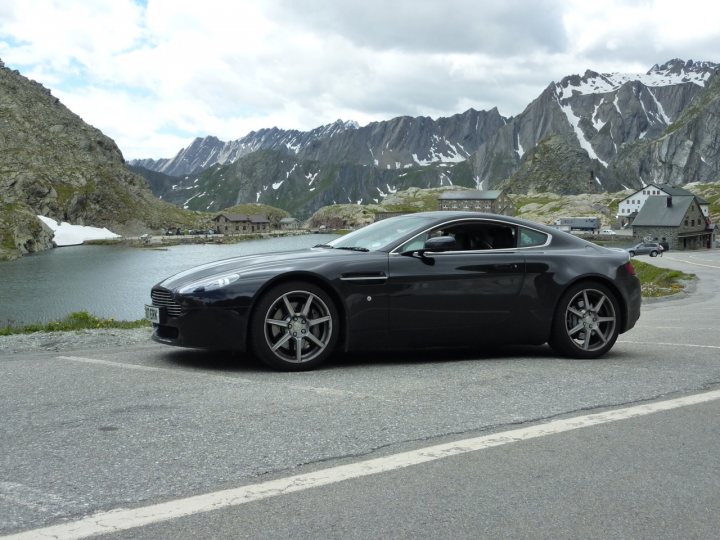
x,y
530,237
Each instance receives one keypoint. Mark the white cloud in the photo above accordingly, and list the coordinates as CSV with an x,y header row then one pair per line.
x,y
155,74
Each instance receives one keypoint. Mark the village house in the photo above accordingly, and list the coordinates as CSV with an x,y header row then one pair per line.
x,y
630,206
289,223
678,220
494,201
241,223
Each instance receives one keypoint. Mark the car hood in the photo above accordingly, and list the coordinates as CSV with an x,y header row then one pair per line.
x,y
252,264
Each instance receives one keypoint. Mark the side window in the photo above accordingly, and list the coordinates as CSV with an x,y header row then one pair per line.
x,y
529,237
472,236
483,235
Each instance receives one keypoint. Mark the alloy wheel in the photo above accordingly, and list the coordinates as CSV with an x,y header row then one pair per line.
x,y
590,320
298,326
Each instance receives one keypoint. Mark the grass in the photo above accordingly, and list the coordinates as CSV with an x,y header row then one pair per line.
x,y
658,282
79,320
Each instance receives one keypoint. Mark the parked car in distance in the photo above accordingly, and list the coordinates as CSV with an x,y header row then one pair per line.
x,y
607,232
646,248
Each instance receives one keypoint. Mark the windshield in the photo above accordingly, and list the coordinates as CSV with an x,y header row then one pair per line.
x,y
381,233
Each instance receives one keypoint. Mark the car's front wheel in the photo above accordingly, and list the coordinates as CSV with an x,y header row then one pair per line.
x,y
586,323
653,253
294,327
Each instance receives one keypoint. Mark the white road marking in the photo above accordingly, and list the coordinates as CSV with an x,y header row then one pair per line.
x,y
683,345
683,328
137,367
125,519
197,373
691,262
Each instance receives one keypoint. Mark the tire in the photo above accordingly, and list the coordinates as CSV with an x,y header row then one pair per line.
x,y
294,327
653,253
586,322
632,253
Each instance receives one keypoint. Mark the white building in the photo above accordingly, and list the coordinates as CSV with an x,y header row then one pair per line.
x,y
629,207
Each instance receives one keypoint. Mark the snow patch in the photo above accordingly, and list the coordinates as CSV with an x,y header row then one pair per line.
x,y
660,109
311,177
610,82
73,235
575,123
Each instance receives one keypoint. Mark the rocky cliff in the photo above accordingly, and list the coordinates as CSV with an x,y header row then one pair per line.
x,y
581,126
54,164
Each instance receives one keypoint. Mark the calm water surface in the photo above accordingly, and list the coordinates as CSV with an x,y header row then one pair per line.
x,y
109,281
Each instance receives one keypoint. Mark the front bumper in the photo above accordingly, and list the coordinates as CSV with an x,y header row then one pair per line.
x,y
205,328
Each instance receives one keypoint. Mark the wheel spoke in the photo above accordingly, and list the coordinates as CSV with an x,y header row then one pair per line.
x,y
298,349
312,337
585,300
575,311
606,319
601,335
586,343
308,303
319,320
600,303
576,329
277,322
288,305
282,341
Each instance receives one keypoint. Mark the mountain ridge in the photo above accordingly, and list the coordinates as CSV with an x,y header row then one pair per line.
x,y
566,140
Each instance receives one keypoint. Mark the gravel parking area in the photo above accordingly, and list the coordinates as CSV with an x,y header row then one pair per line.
x,y
80,339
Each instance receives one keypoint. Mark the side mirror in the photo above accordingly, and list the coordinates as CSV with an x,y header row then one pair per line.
x,y
433,245
440,243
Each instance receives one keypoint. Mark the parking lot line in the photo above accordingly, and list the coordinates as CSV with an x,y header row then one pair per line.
x,y
125,519
692,262
320,390
681,345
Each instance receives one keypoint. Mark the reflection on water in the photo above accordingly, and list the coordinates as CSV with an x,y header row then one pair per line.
x,y
109,281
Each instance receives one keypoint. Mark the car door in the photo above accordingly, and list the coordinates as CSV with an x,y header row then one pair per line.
x,y
461,296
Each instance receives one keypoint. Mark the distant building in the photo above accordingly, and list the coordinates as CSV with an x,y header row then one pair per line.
x,y
289,223
494,202
630,206
241,223
590,224
677,220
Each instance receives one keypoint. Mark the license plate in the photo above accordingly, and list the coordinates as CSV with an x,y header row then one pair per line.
x,y
152,313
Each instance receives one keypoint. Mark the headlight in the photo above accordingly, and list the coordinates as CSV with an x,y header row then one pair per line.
x,y
209,284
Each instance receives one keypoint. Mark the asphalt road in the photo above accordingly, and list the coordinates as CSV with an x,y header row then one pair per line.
x,y
352,451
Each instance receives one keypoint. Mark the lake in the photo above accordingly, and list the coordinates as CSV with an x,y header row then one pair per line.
x,y
109,281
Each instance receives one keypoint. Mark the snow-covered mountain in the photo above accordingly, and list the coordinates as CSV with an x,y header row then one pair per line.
x,y
583,123
400,143
589,133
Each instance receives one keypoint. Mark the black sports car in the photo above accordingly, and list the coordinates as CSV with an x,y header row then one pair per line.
x,y
418,280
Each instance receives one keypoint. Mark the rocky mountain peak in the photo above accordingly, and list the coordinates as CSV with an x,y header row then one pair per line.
x,y
54,164
681,68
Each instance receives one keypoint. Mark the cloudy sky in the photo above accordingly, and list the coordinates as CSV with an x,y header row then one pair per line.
x,y
155,74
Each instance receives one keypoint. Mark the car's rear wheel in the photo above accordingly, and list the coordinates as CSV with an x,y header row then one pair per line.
x,y
653,253
294,327
586,323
